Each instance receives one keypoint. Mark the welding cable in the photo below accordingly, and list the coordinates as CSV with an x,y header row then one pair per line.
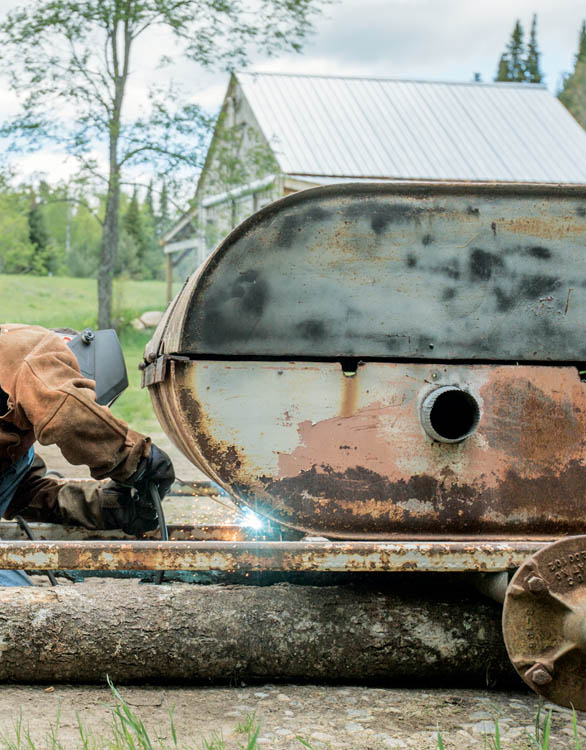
x,y
27,530
156,498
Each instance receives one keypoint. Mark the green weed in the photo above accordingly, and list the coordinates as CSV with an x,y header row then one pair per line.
x,y
577,741
250,726
214,742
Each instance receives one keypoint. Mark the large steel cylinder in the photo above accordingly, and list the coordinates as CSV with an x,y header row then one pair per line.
x,y
307,366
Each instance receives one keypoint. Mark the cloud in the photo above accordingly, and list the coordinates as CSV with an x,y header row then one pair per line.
x,y
435,39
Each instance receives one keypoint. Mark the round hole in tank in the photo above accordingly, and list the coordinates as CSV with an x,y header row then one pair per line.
x,y
449,414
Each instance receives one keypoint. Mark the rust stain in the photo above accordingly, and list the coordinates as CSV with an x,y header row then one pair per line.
x,y
538,422
550,228
570,290
224,458
350,390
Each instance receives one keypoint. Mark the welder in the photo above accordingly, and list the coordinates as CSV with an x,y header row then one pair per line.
x,y
56,387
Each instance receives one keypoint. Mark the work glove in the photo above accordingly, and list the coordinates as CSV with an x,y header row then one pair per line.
x,y
156,468
124,508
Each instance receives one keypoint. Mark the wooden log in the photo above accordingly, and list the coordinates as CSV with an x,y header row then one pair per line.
x,y
180,632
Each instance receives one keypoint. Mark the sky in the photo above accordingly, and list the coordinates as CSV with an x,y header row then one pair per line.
x,y
446,40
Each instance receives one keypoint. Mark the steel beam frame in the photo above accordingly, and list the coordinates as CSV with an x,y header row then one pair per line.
x,y
424,556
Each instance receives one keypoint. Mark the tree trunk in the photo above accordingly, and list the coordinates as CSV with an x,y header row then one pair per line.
x,y
109,250
182,632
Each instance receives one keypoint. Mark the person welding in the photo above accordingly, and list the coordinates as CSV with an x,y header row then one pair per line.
x,y
56,387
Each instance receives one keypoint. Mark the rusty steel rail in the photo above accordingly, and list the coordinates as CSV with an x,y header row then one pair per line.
x,y
465,556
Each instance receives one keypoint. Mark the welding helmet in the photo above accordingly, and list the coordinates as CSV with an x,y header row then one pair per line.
x,y
99,356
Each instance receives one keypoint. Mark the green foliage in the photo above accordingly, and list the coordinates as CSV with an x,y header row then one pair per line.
x,y
54,231
16,249
521,63
133,225
239,156
573,91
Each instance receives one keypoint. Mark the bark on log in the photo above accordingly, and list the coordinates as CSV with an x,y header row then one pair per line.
x,y
180,632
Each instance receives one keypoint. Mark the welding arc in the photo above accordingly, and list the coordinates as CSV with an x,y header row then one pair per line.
x,y
156,498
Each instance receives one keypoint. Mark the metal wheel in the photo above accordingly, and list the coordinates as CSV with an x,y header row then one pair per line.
x,y
544,622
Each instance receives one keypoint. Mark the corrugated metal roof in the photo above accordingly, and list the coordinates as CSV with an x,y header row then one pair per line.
x,y
384,128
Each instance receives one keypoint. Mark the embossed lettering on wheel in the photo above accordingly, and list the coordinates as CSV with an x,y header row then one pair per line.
x,y
544,622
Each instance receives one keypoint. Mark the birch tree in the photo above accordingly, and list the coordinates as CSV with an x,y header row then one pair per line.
x,y
70,63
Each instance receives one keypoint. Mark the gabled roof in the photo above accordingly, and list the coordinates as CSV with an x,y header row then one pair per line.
x,y
390,129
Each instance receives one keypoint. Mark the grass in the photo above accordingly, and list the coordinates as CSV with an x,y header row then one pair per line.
x,y
52,301
127,731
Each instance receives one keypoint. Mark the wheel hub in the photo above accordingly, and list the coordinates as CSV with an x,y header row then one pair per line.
x,y
544,622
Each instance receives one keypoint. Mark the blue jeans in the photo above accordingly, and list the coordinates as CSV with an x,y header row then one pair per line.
x,y
9,481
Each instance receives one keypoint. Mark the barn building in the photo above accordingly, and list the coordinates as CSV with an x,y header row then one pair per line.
x,y
277,134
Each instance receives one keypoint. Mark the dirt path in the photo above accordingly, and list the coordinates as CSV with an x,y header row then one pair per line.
x,y
326,717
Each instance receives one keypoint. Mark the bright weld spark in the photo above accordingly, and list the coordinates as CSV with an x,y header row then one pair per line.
x,y
251,521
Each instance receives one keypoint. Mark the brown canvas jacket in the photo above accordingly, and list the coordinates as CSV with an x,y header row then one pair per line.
x,y
44,397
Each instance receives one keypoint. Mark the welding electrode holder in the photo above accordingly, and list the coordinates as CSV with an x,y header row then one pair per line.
x,y
164,531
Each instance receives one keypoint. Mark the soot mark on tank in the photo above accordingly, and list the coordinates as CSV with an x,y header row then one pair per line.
x,y
311,329
233,314
394,342
252,290
294,223
411,260
581,211
427,239
382,215
482,264
471,211
504,301
541,253
493,227
451,269
287,230
538,286
449,293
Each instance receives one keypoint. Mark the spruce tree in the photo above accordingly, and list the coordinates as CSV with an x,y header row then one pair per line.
x,y
573,92
133,226
38,237
504,69
163,219
532,67
581,55
516,52
511,65
154,259
148,202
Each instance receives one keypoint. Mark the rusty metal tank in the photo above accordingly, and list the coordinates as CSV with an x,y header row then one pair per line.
x,y
379,361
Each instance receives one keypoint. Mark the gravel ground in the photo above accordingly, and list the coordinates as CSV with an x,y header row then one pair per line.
x,y
352,718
